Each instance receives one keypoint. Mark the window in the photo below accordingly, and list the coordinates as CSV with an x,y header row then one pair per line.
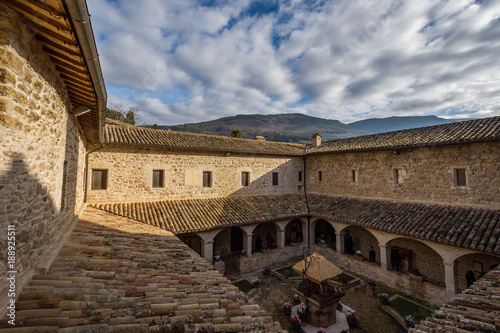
x,y
354,176
460,179
99,179
300,176
320,176
63,192
275,179
398,176
158,178
207,179
245,178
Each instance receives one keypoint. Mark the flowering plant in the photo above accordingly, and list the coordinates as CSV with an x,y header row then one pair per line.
x,y
352,320
370,282
255,281
358,253
294,323
216,258
383,298
410,321
286,272
296,299
266,271
415,271
243,253
287,310
264,246
303,311
321,330
343,278
322,242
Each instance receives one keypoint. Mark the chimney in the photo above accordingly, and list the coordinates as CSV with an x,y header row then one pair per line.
x,y
260,138
316,139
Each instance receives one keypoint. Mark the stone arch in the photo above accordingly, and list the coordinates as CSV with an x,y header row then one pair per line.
x,y
478,263
228,240
416,254
362,239
260,234
294,230
194,241
323,229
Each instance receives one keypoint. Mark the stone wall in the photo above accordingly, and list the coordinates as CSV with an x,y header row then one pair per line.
x,y
427,174
362,239
271,258
130,174
475,263
37,138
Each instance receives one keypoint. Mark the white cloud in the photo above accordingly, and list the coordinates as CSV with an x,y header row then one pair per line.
x,y
341,60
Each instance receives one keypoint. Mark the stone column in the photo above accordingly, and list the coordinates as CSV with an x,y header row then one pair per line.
x,y
339,243
280,235
451,278
385,256
305,233
247,244
208,250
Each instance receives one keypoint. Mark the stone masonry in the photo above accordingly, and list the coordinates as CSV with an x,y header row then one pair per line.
x,y
37,138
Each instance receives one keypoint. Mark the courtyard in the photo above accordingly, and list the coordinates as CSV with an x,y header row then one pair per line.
x,y
371,316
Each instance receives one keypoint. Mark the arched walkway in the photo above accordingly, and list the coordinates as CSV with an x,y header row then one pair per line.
x,y
359,239
477,263
323,231
264,234
193,241
294,232
406,253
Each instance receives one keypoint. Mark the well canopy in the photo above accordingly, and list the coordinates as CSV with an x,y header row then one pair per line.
x,y
317,268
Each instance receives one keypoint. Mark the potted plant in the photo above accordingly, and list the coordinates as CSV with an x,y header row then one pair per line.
x,y
383,298
322,243
216,258
286,273
294,324
267,275
287,309
358,255
296,299
370,287
410,321
264,248
352,320
343,279
256,282
415,274
303,312
294,242
321,330
243,253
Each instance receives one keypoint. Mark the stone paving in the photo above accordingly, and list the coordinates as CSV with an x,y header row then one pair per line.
x,y
118,275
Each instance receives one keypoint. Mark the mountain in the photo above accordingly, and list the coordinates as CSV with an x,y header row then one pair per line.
x,y
381,125
290,127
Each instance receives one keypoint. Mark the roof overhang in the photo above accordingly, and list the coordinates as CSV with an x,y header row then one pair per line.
x,y
63,28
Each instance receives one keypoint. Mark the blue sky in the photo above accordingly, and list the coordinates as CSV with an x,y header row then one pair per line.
x,y
182,61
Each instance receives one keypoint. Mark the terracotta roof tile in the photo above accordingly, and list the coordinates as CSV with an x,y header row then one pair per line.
x,y
117,133
472,228
118,275
480,130
477,309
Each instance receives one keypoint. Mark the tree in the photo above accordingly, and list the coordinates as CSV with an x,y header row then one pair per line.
x,y
155,126
236,134
118,112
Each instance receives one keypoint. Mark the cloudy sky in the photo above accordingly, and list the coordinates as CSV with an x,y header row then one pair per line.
x,y
182,61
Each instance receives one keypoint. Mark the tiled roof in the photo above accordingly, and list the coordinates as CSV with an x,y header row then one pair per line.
x,y
117,275
477,309
472,228
193,215
487,129
117,134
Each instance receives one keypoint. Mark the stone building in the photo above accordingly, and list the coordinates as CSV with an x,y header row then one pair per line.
x,y
117,226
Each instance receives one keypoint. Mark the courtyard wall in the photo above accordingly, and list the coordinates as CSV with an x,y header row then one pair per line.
x,y
130,173
39,141
428,174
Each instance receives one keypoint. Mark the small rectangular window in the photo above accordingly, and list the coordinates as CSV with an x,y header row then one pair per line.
x,y
460,177
245,178
207,179
300,176
354,176
275,179
320,176
99,179
398,176
158,178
